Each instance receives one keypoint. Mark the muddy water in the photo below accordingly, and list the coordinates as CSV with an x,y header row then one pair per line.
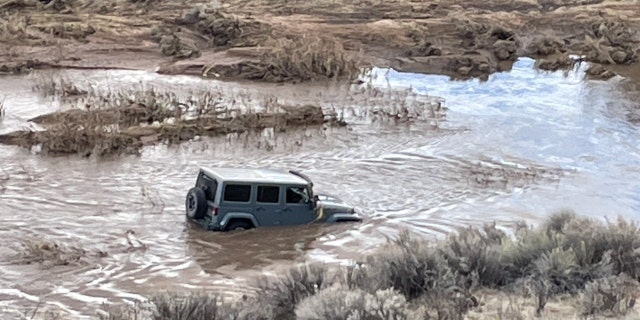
x,y
514,148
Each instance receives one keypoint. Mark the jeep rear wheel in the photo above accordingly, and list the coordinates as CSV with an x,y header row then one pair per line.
x,y
238,225
196,203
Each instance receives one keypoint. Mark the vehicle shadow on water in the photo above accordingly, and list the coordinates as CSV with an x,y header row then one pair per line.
x,y
225,253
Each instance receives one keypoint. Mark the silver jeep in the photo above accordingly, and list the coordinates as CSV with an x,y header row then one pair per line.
x,y
232,199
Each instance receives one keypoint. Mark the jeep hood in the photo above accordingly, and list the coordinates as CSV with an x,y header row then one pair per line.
x,y
333,204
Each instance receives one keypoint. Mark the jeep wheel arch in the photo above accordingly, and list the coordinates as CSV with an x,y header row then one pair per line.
x,y
239,224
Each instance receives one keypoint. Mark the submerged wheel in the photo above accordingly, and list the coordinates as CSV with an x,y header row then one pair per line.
x,y
238,225
196,203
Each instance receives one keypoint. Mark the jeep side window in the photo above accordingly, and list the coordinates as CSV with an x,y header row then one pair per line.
x,y
297,195
237,193
268,194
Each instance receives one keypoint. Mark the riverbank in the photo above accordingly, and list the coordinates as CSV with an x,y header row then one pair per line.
x,y
301,40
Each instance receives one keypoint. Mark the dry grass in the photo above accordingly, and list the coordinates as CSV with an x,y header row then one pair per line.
x,y
297,59
309,58
61,87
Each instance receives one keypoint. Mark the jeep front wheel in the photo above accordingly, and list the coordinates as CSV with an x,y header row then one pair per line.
x,y
196,203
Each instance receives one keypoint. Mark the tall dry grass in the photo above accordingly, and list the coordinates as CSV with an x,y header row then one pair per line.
x,y
301,58
309,58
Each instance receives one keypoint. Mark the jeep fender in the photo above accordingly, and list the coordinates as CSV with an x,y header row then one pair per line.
x,y
238,215
343,217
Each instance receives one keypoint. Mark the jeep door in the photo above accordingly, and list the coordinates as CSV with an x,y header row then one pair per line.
x,y
298,206
236,199
268,205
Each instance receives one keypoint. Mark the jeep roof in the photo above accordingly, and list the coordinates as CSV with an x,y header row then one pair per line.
x,y
254,176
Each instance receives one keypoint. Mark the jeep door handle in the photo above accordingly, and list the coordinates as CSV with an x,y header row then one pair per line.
x,y
286,209
260,209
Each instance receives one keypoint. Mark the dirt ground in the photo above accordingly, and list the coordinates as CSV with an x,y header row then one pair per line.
x,y
297,40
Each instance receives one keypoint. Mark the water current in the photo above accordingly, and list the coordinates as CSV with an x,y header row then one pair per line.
x,y
517,147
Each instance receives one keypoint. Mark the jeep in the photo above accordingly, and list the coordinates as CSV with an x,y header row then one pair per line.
x,y
226,199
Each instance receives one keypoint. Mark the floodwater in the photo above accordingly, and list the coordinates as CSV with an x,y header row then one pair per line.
x,y
518,147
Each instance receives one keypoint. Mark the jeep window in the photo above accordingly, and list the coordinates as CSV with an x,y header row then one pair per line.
x,y
297,195
268,194
209,185
237,193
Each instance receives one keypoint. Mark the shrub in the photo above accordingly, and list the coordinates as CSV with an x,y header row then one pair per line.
x,y
341,303
197,306
279,296
407,265
614,295
476,254
519,253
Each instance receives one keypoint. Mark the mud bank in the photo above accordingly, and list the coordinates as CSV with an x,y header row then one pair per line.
x,y
301,40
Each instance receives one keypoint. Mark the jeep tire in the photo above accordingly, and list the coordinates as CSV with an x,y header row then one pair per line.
x,y
196,203
238,224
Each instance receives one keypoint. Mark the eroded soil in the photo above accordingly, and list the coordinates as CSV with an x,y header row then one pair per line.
x,y
306,40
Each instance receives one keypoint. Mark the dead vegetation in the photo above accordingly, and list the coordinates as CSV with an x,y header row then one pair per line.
x,y
22,67
13,27
610,41
50,254
153,199
61,87
546,45
304,58
489,173
556,63
568,258
308,58
199,30
599,72
121,122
